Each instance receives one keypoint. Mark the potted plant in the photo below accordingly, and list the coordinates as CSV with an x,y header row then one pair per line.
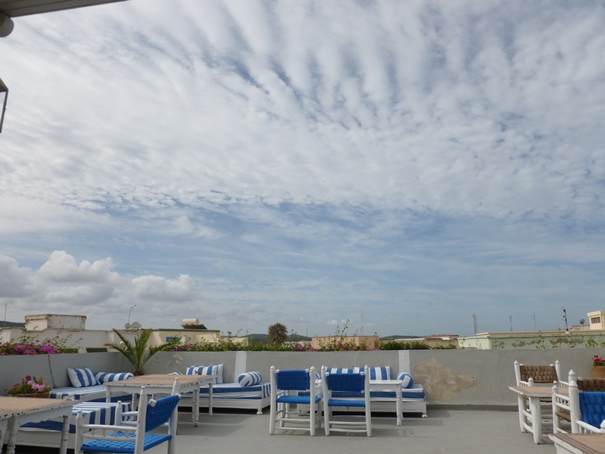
x,y
30,387
598,367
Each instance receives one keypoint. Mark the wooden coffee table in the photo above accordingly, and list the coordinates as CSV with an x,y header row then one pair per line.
x,y
162,384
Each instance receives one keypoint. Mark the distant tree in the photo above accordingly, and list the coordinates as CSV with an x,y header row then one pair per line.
x,y
278,333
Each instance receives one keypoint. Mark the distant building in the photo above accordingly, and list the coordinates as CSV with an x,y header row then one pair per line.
x,y
72,329
578,336
318,342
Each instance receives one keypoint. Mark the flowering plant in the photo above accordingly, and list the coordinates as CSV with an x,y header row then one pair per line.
x,y
597,361
29,385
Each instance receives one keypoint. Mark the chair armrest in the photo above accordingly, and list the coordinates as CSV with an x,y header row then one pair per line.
x,y
108,427
587,428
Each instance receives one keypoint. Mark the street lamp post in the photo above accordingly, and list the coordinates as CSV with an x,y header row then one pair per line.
x,y
130,312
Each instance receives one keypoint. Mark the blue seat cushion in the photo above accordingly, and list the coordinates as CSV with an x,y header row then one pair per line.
x,y
346,403
303,400
151,440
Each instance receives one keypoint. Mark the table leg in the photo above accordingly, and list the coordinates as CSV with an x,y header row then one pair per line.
x,y
64,435
536,415
13,427
195,411
210,398
521,405
398,405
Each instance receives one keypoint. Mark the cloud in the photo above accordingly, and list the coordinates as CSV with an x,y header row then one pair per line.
x,y
15,282
62,267
155,288
305,159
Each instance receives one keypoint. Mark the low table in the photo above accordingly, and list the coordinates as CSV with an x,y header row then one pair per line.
x,y
532,421
15,411
390,386
162,384
579,443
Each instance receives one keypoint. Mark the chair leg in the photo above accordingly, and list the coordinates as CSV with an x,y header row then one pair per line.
x,y
272,416
312,414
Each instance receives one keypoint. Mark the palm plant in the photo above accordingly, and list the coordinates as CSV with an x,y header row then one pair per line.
x,y
278,333
138,353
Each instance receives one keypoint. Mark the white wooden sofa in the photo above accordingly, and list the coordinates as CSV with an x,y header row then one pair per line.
x,y
48,433
413,395
246,391
88,386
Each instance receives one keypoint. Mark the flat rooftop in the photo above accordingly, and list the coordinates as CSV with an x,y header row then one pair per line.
x,y
444,431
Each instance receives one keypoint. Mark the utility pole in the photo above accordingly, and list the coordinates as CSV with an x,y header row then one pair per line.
x,y
565,318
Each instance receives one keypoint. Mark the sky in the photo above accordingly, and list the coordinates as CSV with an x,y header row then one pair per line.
x,y
390,167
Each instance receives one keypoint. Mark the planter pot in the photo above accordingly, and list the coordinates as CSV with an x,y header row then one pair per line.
x,y
38,395
598,371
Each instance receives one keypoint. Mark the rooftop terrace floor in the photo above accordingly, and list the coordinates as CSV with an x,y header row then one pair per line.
x,y
444,431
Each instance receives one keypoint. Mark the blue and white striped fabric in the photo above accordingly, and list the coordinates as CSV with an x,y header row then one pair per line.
x,y
380,373
80,378
406,379
105,377
93,413
235,391
87,393
175,373
342,370
216,370
249,378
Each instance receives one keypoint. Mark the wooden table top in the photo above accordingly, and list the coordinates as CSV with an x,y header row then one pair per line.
x,y
586,443
15,406
537,391
159,380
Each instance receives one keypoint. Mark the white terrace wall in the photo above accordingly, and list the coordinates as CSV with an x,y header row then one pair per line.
x,y
53,368
453,378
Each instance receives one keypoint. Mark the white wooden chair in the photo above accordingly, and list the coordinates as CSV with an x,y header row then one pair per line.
x,y
336,390
132,436
583,407
294,388
526,375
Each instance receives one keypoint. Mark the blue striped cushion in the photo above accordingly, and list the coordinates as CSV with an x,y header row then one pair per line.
x,y
216,370
80,378
249,378
342,370
380,373
105,377
407,380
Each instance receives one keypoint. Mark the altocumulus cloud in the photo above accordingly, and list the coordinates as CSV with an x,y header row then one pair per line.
x,y
302,162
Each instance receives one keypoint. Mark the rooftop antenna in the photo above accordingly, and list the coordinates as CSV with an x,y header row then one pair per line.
x,y
475,323
3,89
565,318
534,316
510,319
362,324
128,325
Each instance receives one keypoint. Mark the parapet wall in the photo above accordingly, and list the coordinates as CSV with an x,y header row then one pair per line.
x,y
456,378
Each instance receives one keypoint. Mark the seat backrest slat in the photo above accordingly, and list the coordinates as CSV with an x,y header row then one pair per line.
x,y
160,413
539,374
592,406
292,380
346,382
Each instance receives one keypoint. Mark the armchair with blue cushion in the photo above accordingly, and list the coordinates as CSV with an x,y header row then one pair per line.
x,y
336,387
134,437
299,388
